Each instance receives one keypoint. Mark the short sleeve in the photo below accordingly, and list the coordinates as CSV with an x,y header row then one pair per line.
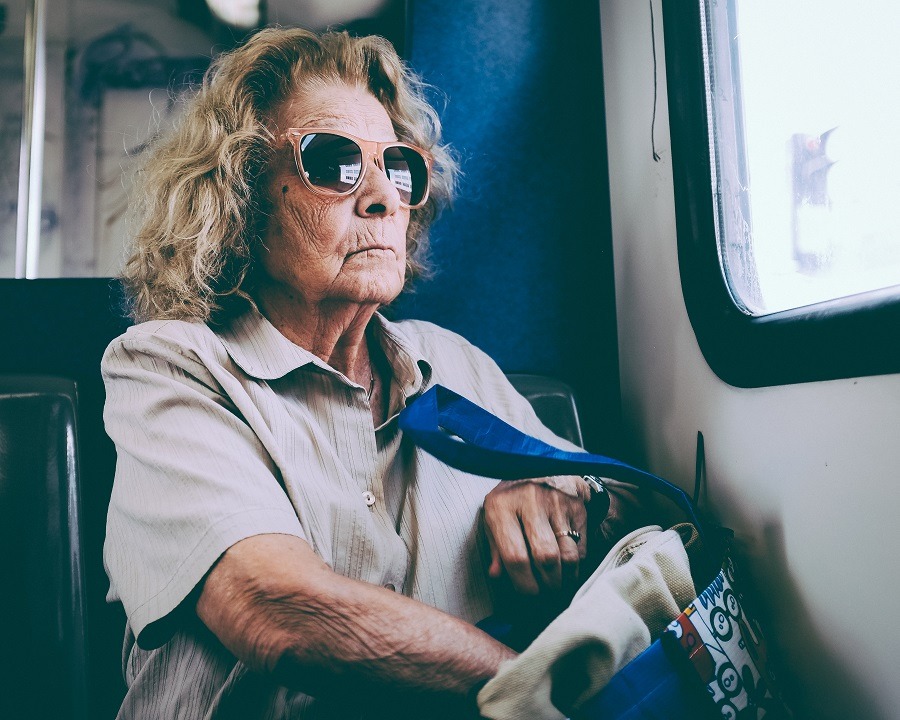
x,y
192,478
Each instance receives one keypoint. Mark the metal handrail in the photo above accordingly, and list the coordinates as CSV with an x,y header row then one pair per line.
x,y
31,155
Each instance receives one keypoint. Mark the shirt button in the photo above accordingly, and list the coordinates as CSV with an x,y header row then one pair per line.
x,y
369,498
390,586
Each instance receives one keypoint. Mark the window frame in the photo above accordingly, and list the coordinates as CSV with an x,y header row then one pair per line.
x,y
839,338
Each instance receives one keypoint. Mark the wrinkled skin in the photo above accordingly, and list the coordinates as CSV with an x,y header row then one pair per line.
x,y
330,262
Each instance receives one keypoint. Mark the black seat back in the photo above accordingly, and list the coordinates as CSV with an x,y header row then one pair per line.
x,y
553,402
43,668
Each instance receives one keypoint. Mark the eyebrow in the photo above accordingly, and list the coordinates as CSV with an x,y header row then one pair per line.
x,y
327,121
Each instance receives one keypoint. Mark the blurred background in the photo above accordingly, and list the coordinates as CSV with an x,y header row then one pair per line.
x,y
92,82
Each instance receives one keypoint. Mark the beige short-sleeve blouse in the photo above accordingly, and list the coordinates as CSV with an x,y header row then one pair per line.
x,y
224,434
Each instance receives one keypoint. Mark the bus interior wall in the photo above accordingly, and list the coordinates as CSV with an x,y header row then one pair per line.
x,y
802,472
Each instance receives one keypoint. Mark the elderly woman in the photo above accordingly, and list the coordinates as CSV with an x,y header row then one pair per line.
x,y
280,550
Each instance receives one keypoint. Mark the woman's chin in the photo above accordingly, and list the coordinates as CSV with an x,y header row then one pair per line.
x,y
377,286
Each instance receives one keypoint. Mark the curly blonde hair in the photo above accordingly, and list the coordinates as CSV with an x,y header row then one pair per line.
x,y
200,195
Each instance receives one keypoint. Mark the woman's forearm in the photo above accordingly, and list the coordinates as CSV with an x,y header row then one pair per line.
x,y
281,610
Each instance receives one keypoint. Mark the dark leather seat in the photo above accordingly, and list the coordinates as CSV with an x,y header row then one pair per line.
x,y
43,666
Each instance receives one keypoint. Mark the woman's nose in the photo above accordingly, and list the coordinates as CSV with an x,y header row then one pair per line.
x,y
376,194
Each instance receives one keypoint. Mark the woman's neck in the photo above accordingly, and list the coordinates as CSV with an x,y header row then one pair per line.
x,y
332,331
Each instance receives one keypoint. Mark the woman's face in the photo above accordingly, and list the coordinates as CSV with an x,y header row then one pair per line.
x,y
321,249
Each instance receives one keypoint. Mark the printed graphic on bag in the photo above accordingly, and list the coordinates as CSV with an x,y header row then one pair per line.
x,y
727,650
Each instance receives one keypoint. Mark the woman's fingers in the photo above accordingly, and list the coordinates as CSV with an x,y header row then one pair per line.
x,y
571,563
544,546
573,545
511,547
578,519
496,567
528,526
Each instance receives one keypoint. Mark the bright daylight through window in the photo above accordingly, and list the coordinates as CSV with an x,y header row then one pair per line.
x,y
805,138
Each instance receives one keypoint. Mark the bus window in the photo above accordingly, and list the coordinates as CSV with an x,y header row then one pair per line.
x,y
12,77
804,147
782,150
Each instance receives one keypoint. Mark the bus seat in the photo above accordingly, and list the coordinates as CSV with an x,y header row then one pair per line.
x,y
42,603
42,620
554,403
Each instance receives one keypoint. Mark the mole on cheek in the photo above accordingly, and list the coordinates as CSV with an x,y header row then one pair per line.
x,y
284,190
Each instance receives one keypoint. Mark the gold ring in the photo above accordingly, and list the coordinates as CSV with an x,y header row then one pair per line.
x,y
574,534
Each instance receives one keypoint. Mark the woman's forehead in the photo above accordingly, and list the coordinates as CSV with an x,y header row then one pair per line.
x,y
352,109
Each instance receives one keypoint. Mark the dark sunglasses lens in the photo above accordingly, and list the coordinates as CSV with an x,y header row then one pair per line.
x,y
407,170
330,161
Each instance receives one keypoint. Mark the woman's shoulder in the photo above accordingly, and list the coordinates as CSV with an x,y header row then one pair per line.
x,y
182,332
187,339
428,335
461,366
437,344
448,353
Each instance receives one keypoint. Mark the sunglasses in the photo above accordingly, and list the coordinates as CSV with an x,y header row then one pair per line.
x,y
333,163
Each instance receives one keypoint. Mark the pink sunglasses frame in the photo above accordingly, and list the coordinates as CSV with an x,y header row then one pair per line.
x,y
370,149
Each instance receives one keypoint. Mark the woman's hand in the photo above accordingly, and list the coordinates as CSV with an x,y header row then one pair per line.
x,y
629,508
522,519
526,522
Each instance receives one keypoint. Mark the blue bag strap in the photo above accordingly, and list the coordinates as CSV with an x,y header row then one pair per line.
x,y
469,438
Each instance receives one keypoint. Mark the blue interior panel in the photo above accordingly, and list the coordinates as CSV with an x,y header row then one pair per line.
x,y
523,259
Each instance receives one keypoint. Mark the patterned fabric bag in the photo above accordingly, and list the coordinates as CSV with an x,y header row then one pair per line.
x,y
710,662
727,650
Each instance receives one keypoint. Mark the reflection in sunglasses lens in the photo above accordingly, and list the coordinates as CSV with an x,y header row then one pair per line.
x,y
334,163
330,161
407,171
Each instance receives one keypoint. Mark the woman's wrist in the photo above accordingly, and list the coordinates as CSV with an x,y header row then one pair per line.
x,y
598,499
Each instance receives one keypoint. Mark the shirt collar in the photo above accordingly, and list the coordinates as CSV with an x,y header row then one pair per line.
x,y
412,371
262,352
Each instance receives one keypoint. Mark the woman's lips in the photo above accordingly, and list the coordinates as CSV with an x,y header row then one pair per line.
x,y
383,248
